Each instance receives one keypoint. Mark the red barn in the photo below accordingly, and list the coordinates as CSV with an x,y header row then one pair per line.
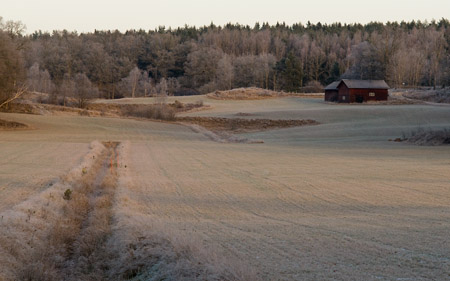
x,y
362,90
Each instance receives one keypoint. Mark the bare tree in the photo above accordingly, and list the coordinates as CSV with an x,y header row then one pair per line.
x,y
244,75
201,66
39,80
173,85
145,84
133,79
11,68
13,28
399,68
224,73
66,89
161,92
84,89
264,65
437,47
20,91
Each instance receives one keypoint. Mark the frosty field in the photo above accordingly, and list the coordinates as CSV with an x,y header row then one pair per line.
x,y
336,201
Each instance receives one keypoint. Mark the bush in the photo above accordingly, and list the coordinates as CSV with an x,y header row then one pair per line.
x,y
312,87
178,104
430,137
67,194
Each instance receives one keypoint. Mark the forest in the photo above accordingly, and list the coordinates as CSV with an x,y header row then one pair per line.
x,y
190,60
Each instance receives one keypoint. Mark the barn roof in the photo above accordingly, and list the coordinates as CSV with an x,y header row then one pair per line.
x,y
365,84
333,86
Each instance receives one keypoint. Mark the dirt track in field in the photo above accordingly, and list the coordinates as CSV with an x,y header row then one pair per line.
x,y
336,201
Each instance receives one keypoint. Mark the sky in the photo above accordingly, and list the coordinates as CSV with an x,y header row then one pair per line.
x,y
90,15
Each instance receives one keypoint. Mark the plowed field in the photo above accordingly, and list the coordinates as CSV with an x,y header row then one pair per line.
x,y
335,201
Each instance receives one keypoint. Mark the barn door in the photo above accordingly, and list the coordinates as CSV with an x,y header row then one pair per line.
x,y
359,98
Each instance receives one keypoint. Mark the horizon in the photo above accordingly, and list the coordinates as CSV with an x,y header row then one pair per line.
x,y
28,32
51,15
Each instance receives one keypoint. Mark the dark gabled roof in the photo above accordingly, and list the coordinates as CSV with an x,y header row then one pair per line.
x,y
365,84
333,86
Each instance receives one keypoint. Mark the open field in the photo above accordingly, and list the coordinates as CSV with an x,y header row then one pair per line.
x,y
335,201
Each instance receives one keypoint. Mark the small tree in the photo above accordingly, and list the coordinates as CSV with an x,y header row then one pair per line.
x,y
225,73
133,80
39,80
161,92
84,89
66,89
173,85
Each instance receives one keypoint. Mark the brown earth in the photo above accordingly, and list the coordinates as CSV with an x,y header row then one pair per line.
x,y
241,125
11,125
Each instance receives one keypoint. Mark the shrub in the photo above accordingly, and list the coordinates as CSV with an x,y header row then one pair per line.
x,y
178,104
67,194
421,136
312,87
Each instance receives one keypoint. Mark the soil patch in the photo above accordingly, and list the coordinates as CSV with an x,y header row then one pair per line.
x,y
11,125
244,114
241,125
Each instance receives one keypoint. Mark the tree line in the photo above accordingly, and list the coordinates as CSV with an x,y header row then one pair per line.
x,y
190,60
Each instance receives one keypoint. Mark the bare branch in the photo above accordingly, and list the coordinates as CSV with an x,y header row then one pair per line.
x,y
17,95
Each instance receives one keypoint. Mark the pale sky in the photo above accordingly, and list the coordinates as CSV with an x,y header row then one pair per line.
x,y
88,15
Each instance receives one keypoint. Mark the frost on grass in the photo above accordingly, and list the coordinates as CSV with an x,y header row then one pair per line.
x,y
28,230
95,233
147,249
429,137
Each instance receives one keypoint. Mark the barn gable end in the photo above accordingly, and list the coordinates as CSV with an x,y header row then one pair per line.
x,y
331,91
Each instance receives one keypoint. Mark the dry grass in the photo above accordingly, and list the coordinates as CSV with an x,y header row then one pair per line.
x,y
429,137
148,111
256,94
50,109
74,247
437,96
38,235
